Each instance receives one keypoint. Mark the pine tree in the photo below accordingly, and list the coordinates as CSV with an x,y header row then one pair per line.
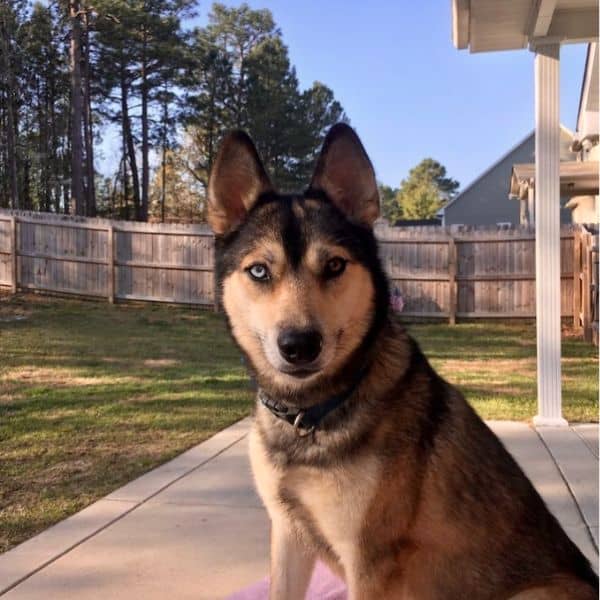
x,y
390,208
145,43
242,78
71,69
425,190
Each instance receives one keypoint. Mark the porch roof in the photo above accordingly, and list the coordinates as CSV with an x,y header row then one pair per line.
x,y
489,25
576,179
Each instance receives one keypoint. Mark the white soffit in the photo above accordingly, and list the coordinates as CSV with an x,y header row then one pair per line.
x,y
491,25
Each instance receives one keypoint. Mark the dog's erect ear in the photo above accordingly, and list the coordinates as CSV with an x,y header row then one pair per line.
x,y
236,181
345,173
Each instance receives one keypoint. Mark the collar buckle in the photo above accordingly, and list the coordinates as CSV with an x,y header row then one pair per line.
x,y
298,428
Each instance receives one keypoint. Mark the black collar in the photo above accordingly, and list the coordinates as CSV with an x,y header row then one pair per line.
x,y
306,420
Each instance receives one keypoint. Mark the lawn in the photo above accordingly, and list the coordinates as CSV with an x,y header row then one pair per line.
x,y
93,395
493,363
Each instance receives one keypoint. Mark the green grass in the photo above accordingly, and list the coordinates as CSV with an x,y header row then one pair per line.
x,y
93,395
493,363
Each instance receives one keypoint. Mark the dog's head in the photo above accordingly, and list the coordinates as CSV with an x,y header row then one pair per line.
x,y
299,274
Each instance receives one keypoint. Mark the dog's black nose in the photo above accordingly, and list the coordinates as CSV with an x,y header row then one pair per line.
x,y
299,346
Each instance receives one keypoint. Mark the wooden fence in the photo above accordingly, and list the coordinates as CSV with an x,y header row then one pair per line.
x,y
117,260
585,283
440,273
470,272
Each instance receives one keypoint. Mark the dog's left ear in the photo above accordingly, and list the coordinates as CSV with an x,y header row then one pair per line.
x,y
237,180
345,173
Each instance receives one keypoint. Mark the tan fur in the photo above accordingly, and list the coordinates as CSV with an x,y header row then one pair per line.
x,y
340,309
292,558
339,505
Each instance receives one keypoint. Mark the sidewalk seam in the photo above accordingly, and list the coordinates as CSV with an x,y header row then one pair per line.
x,y
14,584
571,492
586,442
189,505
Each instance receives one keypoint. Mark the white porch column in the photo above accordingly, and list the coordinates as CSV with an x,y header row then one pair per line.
x,y
547,238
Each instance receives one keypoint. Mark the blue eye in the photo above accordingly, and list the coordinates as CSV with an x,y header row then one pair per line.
x,y
259,272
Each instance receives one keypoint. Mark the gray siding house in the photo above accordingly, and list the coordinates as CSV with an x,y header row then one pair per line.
x,y
486,200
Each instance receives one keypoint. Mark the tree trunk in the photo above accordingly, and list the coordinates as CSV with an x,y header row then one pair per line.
x,y
240,102
125,201
42,149
55,162
211,125
26,185
88,129
128,138
4,192
165,117
143,214
11,142
164,183
66,165
77,196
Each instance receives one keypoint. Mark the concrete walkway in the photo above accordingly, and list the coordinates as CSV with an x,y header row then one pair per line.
x,y
195,528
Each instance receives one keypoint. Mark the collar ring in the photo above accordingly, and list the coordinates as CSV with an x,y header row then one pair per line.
x,y
298,426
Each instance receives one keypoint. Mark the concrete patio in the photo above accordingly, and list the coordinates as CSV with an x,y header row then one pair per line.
x,y
194,527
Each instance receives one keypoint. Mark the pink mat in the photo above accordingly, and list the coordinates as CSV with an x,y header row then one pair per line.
x,y
324,585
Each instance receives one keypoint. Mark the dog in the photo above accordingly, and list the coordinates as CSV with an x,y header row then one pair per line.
x,y
363,456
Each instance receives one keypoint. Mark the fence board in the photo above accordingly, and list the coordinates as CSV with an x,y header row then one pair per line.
x,y
6,260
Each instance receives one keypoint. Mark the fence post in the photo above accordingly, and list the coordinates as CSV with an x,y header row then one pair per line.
x,y
452,291
15,249
586,292
111,264
576,280
214,272
594,259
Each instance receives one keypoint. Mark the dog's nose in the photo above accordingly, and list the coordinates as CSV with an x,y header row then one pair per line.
x,y
299,346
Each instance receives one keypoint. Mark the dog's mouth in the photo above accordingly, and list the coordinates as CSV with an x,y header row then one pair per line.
x,y
299,372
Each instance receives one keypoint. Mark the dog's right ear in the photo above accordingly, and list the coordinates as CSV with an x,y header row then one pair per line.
x,y
345,173
237,179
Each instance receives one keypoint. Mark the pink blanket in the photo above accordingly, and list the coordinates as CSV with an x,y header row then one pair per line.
x,y
324,585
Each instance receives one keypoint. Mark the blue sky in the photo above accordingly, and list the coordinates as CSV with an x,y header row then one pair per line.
x,y
408,92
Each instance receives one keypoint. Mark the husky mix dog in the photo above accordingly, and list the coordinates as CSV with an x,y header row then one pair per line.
x,y
363,455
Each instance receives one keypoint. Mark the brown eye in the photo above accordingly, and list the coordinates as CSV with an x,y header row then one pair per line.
x,y
334,267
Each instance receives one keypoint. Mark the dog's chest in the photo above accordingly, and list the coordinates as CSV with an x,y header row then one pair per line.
x,y
335,502
332,503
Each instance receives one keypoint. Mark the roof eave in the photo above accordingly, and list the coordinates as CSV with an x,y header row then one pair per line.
x,y
460,23
542,24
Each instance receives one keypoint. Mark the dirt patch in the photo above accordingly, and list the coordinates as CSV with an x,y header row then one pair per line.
x,y
161,362
57,377
512,366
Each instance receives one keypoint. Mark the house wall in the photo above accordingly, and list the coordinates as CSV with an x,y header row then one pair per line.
x,y
586,209
486,201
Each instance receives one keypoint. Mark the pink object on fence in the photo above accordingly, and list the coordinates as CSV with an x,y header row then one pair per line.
x,y
324,585
396,300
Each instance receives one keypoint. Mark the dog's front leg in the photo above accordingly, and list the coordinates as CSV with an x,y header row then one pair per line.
x,y
291,562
